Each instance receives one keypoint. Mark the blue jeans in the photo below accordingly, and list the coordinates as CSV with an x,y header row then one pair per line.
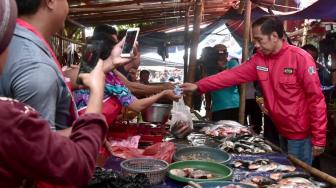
x,y
301,149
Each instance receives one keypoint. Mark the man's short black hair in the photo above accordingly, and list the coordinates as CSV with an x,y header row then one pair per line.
x,y
105,29
143,72
108,44
311,48
270,24
28,7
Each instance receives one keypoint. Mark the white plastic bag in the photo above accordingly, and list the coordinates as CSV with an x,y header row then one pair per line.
x,y
181,123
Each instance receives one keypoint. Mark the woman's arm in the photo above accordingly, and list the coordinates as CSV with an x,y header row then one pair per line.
x,y
141,104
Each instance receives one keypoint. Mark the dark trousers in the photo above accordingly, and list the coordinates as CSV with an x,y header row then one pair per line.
x,y
253,111
228,114
270,131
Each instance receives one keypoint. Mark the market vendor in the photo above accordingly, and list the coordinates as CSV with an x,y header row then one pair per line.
x,y
29,150
291,88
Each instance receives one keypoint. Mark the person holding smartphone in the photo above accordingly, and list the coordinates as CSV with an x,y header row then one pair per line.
x,y
34,76
115,89
29,150
122,71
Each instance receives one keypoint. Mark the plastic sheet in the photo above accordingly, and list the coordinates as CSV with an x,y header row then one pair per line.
x,y
163,151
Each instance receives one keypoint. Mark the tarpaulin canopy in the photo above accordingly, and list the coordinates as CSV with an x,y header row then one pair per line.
x,y
322,9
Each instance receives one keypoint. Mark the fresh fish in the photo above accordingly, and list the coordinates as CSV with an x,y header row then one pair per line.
x,y
258,164
227,146
259,181
276,176
296,181
285,168
240,150
178,172
267,168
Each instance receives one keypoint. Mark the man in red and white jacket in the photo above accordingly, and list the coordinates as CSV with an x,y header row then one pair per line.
x,y
290,85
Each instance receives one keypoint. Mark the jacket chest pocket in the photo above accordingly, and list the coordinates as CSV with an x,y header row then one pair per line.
x,y
262,75
289,81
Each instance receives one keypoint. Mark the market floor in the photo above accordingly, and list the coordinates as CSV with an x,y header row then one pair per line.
x,y
327,164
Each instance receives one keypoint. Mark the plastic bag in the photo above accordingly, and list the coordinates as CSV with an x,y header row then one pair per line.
x,y
181,123
162,150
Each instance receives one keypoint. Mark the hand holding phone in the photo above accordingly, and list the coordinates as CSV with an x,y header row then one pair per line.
x,y
90,57
131,37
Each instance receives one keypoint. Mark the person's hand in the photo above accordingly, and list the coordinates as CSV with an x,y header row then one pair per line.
x,y
317,150
260,102
181,129
114,60
95,80
188,87
168,85
170,94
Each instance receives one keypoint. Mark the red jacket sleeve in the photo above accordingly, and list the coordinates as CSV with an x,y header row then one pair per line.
x,y
31,150
315,99
235,76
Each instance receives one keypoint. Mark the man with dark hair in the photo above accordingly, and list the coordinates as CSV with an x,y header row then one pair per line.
x,y
290,85
108,30
144,77
324,75
33,74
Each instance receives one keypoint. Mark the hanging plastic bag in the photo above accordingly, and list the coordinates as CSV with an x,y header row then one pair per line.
x,y
181,123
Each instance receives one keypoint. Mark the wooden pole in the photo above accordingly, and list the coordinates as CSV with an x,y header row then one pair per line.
x,y
305,32
186,43
194,45
246,43
313,171
286,10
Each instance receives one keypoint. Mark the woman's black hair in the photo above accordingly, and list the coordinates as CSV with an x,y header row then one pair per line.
x,y
107,44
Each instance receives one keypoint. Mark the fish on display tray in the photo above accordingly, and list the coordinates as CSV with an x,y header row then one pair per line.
x,y
192,173
245,144
287,180
226,128
262,165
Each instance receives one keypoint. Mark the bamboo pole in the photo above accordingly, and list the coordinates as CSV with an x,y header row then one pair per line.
x,y
305,32
315,172
186,43
194,45
247,22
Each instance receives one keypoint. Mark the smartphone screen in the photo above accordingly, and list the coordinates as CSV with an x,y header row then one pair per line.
x,y
131,36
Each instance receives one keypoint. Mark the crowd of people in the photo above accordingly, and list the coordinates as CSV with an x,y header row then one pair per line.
x,y
52,124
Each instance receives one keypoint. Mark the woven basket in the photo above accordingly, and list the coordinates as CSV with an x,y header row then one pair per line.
x,y
154,169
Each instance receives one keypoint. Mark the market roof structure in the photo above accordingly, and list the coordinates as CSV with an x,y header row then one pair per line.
x,y
164,13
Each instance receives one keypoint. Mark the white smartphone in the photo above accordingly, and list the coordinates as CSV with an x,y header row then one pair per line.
x,y
131,37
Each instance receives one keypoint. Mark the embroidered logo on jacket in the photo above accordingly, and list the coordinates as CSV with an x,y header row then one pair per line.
x,y
261,68
288,70
311,70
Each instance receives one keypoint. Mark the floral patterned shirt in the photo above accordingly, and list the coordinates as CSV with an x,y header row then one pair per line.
x,y
113,87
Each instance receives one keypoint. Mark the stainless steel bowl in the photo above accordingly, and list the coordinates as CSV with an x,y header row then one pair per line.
x,y
157,113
